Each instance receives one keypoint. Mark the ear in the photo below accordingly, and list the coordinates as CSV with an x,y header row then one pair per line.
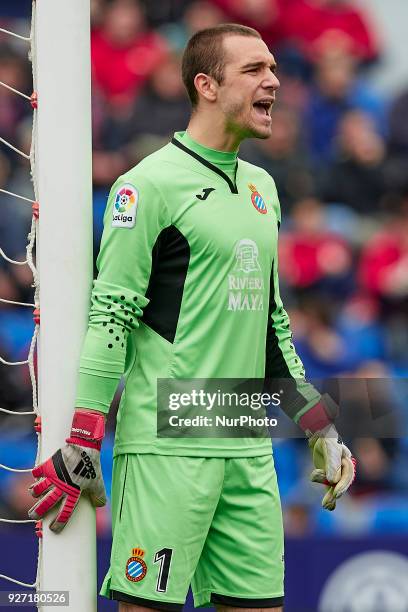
x,y
206,86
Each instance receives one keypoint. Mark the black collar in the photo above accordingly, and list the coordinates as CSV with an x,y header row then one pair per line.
x,y
205,162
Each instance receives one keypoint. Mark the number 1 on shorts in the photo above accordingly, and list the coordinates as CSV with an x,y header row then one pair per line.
x,y
163,557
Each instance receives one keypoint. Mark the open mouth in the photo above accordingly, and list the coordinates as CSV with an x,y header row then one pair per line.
x,y
263,107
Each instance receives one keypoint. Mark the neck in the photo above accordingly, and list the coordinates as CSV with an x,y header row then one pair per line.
x,y
209,131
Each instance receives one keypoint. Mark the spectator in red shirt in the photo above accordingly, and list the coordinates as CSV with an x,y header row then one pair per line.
x,y
311,256
263,15
306,22
384,261
164,101
124,52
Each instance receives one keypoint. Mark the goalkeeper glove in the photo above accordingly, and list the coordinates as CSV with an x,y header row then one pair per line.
x,y
334,465
72,470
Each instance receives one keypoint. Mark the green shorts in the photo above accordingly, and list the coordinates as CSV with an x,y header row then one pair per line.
x,y
215,523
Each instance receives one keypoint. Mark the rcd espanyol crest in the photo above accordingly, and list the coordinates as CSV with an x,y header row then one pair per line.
x,y
257,200
136,568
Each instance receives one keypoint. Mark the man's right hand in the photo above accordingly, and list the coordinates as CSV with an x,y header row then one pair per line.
x,y
72,470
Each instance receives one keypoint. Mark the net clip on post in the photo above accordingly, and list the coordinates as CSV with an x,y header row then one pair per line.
x,y
38,529
34,100
36,210
37,424
36,316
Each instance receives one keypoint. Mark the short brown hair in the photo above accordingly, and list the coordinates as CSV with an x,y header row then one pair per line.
x,y
204,53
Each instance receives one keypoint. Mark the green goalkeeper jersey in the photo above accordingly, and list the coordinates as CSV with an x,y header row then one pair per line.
x,y
187,288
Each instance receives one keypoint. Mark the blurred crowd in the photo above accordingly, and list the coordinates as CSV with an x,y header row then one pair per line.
x,y
339,156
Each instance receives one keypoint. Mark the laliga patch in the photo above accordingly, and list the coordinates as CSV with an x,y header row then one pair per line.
x,y
125,206
136,568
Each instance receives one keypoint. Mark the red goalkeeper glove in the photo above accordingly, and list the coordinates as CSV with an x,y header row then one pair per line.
x,y
72,470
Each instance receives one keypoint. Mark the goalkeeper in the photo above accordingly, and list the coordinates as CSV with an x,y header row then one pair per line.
x,y
188,288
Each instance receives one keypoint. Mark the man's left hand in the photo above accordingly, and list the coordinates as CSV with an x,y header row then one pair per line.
x,y
334,464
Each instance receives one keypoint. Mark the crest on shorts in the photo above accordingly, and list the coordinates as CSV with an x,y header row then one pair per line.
x,y
257,200
136,568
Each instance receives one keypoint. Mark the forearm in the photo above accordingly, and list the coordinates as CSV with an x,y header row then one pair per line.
x,y
95,392
113,315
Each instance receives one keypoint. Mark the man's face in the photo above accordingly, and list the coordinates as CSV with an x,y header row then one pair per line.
x,y
247,92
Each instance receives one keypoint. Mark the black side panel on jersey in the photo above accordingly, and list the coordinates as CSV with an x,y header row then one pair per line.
x,y
277,373
170,261
275,364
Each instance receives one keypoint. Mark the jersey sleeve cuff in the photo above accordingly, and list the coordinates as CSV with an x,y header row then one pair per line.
x,y
318,416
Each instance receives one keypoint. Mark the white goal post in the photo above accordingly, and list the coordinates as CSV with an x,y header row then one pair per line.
x,y
62,169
